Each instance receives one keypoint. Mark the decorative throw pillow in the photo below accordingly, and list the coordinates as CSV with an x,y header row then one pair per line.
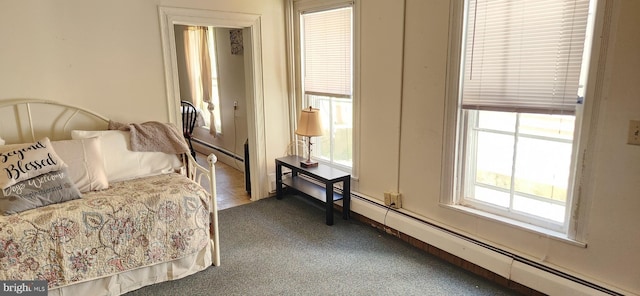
x,y
50,188
25,161
121,163
1,141
84,161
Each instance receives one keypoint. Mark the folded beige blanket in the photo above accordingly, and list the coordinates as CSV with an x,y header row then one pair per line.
x,y
153,136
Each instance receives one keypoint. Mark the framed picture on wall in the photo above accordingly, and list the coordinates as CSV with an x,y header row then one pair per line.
x,y
236,41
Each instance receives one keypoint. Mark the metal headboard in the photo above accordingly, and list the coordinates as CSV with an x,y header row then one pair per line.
x,y
53,119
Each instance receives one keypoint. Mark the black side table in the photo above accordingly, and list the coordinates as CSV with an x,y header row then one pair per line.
x,y
322,173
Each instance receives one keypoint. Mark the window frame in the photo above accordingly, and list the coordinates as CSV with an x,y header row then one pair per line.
x,y
295,9
586,121
468,179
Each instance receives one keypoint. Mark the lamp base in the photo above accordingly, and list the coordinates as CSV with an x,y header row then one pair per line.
x,y
308,163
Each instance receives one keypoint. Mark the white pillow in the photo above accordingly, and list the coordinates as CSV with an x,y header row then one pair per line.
x,y
1,141
121,163
85,163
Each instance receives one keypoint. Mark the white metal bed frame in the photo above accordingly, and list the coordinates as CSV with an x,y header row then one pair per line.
x,y
17,125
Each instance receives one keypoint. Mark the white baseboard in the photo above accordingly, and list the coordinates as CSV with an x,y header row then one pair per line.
x,y
549,283
222,157
510,266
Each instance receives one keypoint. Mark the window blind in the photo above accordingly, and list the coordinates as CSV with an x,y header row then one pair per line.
x,y
327,52
524,55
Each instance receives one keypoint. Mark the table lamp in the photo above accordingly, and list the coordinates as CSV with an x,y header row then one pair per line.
x,y
309,126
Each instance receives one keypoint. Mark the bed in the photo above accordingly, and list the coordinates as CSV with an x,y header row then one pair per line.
x,y
122,220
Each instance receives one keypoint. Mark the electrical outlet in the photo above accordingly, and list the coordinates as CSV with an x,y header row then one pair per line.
x,y
393,199
634,132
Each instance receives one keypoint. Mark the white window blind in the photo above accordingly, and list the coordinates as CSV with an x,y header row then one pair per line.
x,y
524,55
327,52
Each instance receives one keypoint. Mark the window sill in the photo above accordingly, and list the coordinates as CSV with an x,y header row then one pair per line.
x,y
558,236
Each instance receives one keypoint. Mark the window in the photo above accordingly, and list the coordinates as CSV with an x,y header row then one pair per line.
x,y
325,43
521,91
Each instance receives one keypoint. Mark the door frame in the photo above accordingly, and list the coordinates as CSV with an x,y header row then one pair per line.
x,y
170,16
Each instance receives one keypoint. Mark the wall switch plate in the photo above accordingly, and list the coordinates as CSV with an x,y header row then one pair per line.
x,y
634,132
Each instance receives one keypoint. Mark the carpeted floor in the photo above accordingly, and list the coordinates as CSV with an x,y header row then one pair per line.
x,y
283,247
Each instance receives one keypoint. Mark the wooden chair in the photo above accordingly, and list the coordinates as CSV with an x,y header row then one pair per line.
x,y
189,116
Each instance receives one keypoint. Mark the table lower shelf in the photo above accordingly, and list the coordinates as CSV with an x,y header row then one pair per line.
x,y
309,188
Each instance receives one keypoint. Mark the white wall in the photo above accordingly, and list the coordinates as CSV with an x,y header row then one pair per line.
x,y
381,63
107,56
99,55
411,159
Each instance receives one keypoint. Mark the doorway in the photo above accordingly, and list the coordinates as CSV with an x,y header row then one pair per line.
x,y
253,99
211,77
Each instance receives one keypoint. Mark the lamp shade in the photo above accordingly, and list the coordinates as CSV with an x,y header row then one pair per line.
x,y
309,124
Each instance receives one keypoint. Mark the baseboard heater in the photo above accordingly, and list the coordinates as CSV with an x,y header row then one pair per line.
x,y
512,256
221,150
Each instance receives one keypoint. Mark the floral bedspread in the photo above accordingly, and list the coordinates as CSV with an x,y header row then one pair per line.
x,y
132,224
